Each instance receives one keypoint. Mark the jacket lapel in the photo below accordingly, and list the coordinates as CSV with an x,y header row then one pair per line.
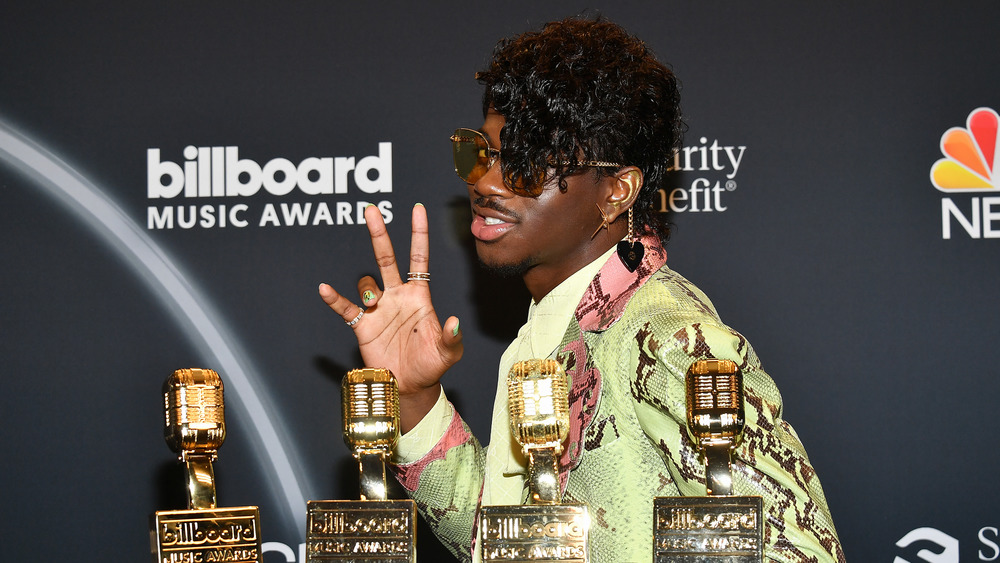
x,y
602,305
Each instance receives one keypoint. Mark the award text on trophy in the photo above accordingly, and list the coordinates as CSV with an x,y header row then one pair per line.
x,y
195,428
373,528
719,527
544,530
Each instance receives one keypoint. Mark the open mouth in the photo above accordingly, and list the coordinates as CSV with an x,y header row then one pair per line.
x,y
489,228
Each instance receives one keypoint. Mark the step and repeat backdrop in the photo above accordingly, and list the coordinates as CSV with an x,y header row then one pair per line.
x,y
176,178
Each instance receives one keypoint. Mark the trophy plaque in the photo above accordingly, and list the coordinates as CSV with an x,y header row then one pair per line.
x,y
719,527
543,530
373,528
195,428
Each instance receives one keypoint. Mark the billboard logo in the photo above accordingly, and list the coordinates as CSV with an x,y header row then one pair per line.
x,y
198,185
220,172
971,155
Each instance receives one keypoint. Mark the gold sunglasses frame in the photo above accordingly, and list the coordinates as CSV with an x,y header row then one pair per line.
x,y
493,155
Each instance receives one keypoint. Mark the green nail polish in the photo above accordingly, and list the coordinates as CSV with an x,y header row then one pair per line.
x,y
418,203
367,296
454,331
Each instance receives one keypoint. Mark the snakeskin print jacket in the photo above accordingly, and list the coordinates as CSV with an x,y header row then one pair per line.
x,y
626,352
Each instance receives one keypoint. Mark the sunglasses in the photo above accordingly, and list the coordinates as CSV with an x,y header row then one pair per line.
x,y
474,157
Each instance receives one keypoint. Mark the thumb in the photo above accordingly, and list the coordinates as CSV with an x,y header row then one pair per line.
x,y
451,347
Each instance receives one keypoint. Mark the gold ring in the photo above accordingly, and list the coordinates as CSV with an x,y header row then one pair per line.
x,y
361,312
418,276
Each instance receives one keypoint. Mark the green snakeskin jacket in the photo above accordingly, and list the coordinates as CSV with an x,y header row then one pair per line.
x,y
626,351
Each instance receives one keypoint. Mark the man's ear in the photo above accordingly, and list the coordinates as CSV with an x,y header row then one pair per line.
x,y
624,190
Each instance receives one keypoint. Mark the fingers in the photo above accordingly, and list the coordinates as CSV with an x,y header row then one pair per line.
x,y
369,291
385,257
419,243
451,346
340,304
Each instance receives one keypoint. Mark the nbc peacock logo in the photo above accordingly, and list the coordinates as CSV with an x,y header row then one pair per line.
x,y
971,155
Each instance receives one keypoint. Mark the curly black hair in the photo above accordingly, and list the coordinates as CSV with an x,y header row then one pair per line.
x,y
579,90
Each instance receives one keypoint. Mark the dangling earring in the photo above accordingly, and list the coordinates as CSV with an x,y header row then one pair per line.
x,y
631,252
604,225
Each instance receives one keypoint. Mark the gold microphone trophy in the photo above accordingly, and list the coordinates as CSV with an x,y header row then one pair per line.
x,y
373,528
195,428
719,527
544,530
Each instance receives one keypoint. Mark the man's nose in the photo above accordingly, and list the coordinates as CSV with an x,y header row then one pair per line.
x,y
492,184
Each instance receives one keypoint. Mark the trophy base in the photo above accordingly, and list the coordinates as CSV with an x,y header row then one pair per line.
x,y
556,532
218,534
708,529
361,530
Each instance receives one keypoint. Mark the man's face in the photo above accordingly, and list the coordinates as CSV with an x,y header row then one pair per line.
x,y
544,239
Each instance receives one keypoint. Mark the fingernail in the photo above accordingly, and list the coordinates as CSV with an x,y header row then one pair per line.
x,y
454,331
367,296
418,203
369,205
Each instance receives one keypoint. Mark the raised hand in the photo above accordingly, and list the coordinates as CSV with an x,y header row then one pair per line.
x,y
399,330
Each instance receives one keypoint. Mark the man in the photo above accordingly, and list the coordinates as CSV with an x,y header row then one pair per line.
x,y
580,124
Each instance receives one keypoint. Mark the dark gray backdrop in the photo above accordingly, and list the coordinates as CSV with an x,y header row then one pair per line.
x,y
829,256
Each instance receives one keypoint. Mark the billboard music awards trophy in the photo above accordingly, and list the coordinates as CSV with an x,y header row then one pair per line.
x,y
195,428
373,528
719,527
544,530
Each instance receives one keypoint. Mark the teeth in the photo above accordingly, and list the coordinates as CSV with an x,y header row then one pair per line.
x,y
493,221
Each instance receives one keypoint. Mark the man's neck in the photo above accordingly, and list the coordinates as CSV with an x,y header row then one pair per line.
x,y
541,280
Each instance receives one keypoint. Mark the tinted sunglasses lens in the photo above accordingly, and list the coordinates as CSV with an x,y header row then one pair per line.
x,y
471,154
